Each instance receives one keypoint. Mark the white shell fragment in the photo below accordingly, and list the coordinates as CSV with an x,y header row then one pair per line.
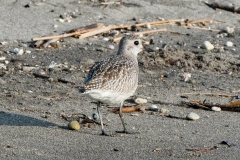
x,y
148,26
28,69
216,109
140,100
18,51
207,45
192,116
106,39
114,32
153,108
229,44
111,46
2,58
186,76
164,111
28,51
229,30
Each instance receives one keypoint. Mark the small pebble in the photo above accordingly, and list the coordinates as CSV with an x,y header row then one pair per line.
x,y
95,116
229,44
207,45
153,108
74,125
216,109
164,111
192,116
18,51
140,100
106,39
55,26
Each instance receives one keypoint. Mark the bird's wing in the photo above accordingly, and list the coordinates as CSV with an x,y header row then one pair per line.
x,y
112,72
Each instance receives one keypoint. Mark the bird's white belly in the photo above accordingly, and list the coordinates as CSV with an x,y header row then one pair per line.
x,y
108,97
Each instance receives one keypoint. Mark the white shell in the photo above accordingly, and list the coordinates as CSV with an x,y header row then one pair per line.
x,y
148,26
229,44
140,100
192,116
28,69
61,20
207,45
164,111
229,30
216,109
153,108
111,46
2,58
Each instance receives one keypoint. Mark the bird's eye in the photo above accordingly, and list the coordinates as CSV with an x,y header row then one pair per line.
x,y
136,42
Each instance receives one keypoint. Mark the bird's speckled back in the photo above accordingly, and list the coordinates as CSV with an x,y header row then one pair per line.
x,y
118,73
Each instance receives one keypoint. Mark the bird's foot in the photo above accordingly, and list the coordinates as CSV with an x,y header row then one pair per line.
x,y
106,134
127,132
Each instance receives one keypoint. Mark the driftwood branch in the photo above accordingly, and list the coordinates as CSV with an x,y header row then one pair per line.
x,y
232,106
227,7
74,32
98,28
55,79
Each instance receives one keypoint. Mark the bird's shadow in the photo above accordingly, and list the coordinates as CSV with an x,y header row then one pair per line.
x,y
12,119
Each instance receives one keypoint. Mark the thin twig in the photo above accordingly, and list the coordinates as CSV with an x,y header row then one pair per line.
x,y
207,94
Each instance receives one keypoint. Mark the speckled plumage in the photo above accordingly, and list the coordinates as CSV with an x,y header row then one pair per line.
x,y
115,78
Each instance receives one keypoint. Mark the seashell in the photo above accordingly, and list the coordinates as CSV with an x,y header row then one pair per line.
x,y
140,100
74,125
207,45
192,116
216,109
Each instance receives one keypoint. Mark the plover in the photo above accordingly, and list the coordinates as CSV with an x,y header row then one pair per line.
x,y
115,78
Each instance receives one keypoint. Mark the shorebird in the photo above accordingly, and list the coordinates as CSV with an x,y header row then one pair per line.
x,y
115,78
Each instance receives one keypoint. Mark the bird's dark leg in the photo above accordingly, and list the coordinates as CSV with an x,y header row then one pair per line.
x,y
121,117
100,117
